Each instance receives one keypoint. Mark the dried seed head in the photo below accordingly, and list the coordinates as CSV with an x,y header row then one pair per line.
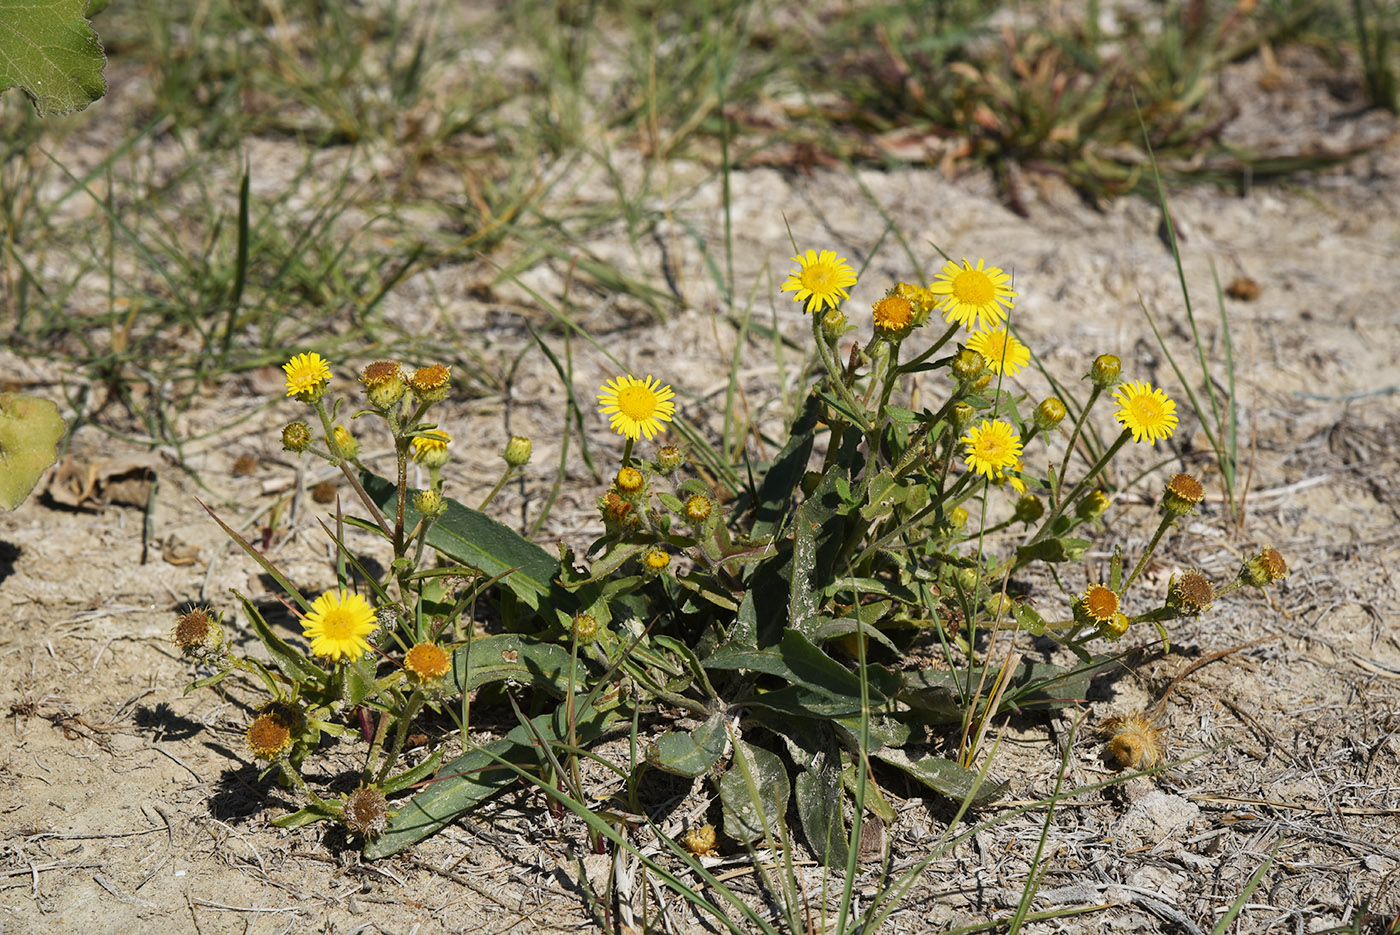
x,y
384,382
1134,742
1182,494
196,630
1191,594
1264,569
366,812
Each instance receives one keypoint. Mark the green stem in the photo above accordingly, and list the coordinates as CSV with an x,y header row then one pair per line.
x,y
835,375
1142,562
410,711
1057,509
497,489
1073,438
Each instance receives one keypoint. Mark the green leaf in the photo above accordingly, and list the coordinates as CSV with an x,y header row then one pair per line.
x,y
413,775
776,493
292,662
511,657
754,792
302,817
30,430
467,781
803,664
1059,549
50,51
472,538
944,777
819,810
690,753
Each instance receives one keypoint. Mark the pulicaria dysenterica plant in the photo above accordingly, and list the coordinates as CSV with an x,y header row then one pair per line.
x,y
780,605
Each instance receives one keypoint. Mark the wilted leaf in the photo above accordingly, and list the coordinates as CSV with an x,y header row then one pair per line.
x,y
30,430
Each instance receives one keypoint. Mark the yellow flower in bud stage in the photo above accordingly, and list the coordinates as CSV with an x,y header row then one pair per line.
x,y
1147,411
629,480
636,407
973,296
991,447
1003,353
834,324
820,280
697,508
338,624
655,560
968,365
384,382
430,383
307,376
894,316
518,451
366,812
429,503
1114,627
1050,413
349,444
1092,505
427,662
430,448
669,459
1105,371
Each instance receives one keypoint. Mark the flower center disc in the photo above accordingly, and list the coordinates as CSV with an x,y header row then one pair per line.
x,y
973,287
1147,409
637,402
338,625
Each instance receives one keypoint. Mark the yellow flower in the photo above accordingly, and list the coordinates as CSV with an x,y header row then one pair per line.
x,y
430,448
1100,603
894,314
972,296
427,661
338,624
991,447
636,407
1003,352
1014,478
1147,411
820,280
655,560
307,375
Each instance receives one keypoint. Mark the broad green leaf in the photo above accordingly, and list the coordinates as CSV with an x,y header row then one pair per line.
x,y
801,663
690,753
511,657
30,430
50,51
474,539
944,776
819,808
754,792
779,487
413,775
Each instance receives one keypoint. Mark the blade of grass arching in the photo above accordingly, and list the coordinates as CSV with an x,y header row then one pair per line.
x,y
240,269
258,557
1229,432
1255,879
1038,864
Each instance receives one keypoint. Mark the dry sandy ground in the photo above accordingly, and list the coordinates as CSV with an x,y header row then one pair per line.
x,y
128,806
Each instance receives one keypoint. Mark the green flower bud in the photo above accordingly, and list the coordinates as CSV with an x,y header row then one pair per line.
x,y
296,437
1105,371
962,416
1050,413
1092,505
518,451
669,459
1029,509
429,503
834,324
968,365
585,627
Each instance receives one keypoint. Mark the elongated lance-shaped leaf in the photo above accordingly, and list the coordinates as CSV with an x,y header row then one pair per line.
x,y
472,538
467,781
690,753
776,492
945,777
511,657
294,664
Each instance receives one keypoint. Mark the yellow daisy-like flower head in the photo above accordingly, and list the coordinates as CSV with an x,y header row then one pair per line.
x,y
430,448
636,407
427,662
991,447
1147,411
307,376
1003,352
973,296
894,316
820,280
1099,603
338,624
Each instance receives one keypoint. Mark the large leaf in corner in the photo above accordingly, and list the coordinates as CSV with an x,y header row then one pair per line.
x,y
49,49
476,540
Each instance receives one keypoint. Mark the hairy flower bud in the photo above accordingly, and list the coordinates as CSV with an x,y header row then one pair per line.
x,y
296,437
518,451
1092,505
1050,413
1105,371
1182,494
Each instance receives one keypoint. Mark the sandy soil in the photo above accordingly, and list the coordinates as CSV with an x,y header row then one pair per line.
x,y
127,805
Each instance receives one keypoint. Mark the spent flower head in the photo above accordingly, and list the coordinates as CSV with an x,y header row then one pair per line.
x,y
384,382
820,280
1183,492
991,447
973,296
1191,594
366,812
296,436
636,407
338,624
430,383
197,631
1134,742
1264,569
307,376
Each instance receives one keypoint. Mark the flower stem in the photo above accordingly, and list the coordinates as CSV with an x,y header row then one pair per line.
x,y
1069,449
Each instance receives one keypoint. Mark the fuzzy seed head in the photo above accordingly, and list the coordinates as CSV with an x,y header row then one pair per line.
x,y
1134,742
366,812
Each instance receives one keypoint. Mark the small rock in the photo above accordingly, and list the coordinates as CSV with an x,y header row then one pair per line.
x,y
1154,817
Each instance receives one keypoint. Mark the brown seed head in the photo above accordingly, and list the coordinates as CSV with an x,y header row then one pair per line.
x,y
193,629
1182,494
1191,594
366,812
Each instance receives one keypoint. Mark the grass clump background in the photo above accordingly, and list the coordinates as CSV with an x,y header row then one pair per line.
x,y
553,203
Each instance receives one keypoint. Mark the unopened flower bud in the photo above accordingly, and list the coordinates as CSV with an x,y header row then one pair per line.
x,y
429,503
1105,371
958,518
1050,413
968,365
629,480
1092,505
585,627
968,579
518,451
834,324
1029,509
349,444
296,437
669,458
1181,496
962,416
